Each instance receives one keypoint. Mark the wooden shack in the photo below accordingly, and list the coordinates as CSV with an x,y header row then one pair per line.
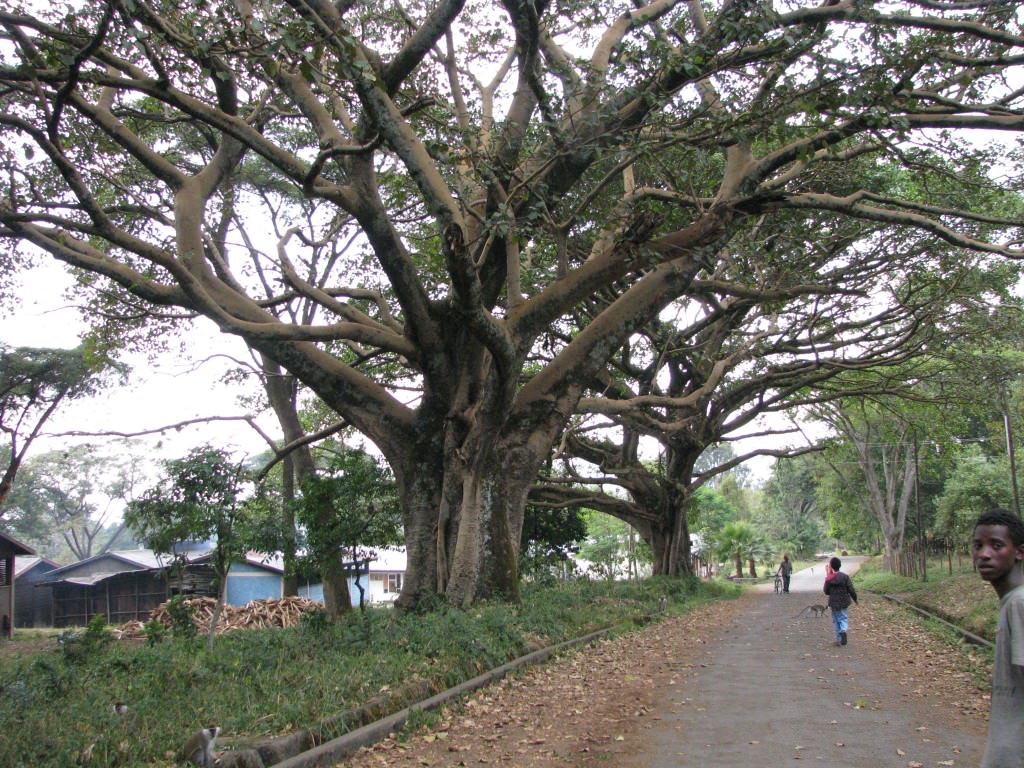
x,y
35,606
121,585
9,549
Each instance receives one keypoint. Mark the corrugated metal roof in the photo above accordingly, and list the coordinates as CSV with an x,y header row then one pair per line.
x,y
23,565
390,559
125,559
16,546
84,581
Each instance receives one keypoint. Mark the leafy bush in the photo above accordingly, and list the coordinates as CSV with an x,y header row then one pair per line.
x,y
155,632
181,613
78,646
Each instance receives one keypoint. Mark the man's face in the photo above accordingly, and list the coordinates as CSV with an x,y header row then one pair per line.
x,y
994,552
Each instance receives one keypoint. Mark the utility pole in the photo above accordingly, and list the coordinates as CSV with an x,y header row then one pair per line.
x,y
921,553
1008,426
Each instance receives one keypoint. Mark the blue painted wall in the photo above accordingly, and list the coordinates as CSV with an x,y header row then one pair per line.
x,y
312,591
246,582
353,590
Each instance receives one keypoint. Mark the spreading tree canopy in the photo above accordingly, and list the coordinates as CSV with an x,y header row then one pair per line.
x,y
494,166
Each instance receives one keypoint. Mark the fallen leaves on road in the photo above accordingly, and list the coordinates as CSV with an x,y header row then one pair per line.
x,y
941,675
573,711
583,709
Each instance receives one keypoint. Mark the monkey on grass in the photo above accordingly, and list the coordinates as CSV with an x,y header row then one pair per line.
x,y
198,750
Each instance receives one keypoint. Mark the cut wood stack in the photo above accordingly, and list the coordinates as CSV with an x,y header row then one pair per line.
x,y
256,614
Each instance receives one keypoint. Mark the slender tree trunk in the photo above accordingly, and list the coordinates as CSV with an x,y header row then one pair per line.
x,y
889,478
218,608
281,391
7,480
290,580
337,599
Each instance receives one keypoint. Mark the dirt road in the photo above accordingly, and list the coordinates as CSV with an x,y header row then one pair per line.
x,y
741,683
776,690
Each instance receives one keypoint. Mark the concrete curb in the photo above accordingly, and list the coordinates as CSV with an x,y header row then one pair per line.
x,y
968,636
300,749
330,752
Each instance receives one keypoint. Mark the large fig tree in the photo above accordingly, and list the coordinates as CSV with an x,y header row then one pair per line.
x,y
496,165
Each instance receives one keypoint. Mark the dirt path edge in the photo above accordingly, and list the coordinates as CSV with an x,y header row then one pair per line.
x,y
330,752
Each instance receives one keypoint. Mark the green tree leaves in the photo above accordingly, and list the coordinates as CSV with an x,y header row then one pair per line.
x,y
34,383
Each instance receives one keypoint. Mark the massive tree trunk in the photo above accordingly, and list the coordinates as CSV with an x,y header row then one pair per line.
x,y
670,541
675,558
460,529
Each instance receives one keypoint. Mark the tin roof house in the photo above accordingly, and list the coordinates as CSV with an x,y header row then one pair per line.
x,y
123,585
126,585
261,576
34,607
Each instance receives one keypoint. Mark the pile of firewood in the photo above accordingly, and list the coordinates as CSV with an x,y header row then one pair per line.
x,y
256,614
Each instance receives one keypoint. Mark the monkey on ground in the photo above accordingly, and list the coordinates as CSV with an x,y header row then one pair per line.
x,y
198,750
817,610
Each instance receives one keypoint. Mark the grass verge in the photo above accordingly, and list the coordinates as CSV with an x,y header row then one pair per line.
x,y
953,591
56,706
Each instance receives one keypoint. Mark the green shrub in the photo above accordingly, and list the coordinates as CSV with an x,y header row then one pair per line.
x,y
155,632
181,615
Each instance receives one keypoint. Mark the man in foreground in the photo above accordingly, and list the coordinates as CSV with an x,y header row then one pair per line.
x,y
998,550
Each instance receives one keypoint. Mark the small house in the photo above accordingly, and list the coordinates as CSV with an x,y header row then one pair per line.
x,y
10,548
123,585
383,577
126,585
261,576
34,607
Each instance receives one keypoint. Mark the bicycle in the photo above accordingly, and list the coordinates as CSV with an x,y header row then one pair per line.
x,y
778,583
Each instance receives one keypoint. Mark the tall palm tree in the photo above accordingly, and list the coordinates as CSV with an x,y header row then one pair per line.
x,y
760,551
736,540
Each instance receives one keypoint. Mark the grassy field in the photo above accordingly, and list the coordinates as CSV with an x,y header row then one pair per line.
x,y
56,707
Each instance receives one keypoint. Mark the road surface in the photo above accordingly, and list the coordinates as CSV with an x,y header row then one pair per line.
x,y
774,689
738,684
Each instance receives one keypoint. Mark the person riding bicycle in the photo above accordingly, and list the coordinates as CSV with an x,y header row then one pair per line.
x,y
786,571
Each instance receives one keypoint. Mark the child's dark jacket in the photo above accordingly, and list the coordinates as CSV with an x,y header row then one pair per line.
x,y
840,591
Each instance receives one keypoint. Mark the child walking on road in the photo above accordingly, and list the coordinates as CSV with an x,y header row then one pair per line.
x,y
840,591
998,549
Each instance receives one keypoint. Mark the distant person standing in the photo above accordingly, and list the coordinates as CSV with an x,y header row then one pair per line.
x,y
786,571
840,590
998,550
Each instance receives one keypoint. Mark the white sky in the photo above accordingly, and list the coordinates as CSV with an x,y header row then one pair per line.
x,y
172,391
